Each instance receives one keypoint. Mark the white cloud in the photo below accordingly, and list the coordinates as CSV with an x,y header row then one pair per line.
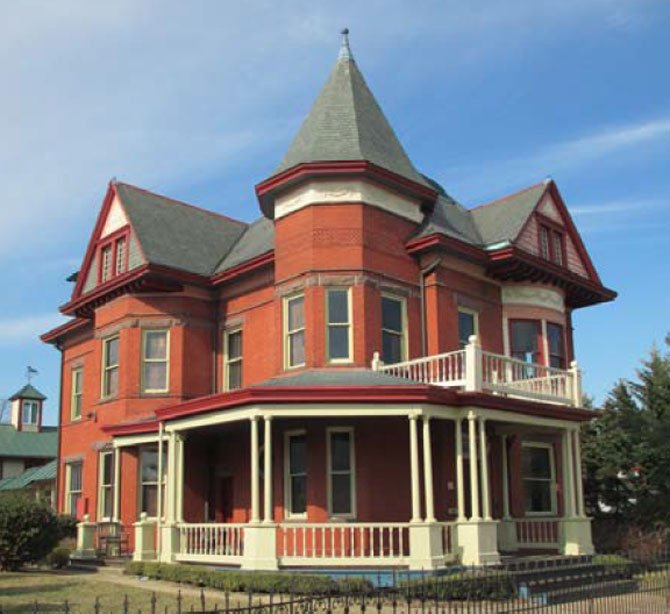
x,y
23,329
641,206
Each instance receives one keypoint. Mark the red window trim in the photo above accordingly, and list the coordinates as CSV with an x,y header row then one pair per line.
x,y
112,240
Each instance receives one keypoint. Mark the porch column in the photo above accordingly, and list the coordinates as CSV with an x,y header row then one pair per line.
x,y
474,481
579,486
180,461
460,486
171,478
267,470
568,487
414,468
117,484
255,511
484,463
168,541
505,478
428,471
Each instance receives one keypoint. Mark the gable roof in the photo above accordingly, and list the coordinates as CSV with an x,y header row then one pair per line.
x,y
177,235
502,220
28,444
29,476
28,392
346,123
258,239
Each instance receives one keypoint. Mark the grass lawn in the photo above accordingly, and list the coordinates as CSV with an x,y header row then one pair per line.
x,y
19,591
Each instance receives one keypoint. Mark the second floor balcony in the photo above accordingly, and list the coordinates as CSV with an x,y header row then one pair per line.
x,y
473,369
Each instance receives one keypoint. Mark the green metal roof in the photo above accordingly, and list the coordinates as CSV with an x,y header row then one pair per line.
x,y
28,444
29,476
28,392
347,123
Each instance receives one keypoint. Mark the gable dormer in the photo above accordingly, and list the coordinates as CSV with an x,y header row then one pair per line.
x,y
26,409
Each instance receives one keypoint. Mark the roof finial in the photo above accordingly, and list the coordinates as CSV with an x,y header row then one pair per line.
x,y
345,50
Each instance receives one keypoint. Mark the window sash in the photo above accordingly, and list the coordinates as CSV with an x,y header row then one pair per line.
x,y
73,486
148,490
556,345
341,479
295,477
394,339
120,256
472,328
110,370
106,263
294,332
106,486
544,242
155,366
77,394
557,248
30,411
525,340
539,488
338,327
233,359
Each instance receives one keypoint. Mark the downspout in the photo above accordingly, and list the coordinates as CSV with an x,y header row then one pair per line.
x,y
422,292
215,343
59,346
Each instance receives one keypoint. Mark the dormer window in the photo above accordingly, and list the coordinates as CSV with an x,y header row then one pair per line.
x,y
113,258
551,244
30,412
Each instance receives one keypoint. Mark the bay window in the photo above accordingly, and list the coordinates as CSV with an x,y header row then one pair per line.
x,y
556,345
525,338
155,361
539,481
394,343
294,331
338,325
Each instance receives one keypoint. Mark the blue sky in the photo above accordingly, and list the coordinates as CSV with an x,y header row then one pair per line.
x,y
199,100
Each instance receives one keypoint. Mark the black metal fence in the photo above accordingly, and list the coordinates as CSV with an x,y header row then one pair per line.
x,y
611,584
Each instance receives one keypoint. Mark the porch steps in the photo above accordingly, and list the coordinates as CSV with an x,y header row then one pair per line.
x,y
567,579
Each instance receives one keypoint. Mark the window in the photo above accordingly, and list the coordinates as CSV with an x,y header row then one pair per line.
x,y
468,325
149,480
30,412
233,360
556,345
393,330
557,248
341,491
110,367
296,475
338,333
538,479
544,242
106,486
77,388
551,244
155,360
73,487
294,331
113,258
524,337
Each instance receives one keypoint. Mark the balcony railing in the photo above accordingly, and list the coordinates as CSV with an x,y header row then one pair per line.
x,y
475,370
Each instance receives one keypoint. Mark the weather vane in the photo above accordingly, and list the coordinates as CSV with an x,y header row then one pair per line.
x,y
30,372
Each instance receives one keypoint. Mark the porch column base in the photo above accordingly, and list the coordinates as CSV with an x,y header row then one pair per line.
x,y
425,546
169,540
577,536
145,539
507,541
260,547
85,540
477,542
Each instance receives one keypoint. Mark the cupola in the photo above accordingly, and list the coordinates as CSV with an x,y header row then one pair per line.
x,y
26,412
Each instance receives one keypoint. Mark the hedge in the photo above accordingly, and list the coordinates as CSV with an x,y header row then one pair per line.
x,y
244,581
461,586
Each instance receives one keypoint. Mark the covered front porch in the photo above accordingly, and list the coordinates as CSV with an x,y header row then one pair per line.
x,y
418,487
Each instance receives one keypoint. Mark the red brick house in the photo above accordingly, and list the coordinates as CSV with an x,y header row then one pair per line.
x,y
369,374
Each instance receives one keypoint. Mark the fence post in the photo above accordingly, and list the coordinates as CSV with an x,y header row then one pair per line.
x,y
473,365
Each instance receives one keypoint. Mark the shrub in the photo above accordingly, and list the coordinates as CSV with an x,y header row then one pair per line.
x,y
29,530
58,558
461,586
644,545
243,581
67,525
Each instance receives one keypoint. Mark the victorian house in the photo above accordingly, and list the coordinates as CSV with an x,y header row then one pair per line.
x,y
369,374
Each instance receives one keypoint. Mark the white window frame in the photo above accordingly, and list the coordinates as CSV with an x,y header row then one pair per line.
x,y
288,503
349,324
77,396
403,314
352,470
144,360
106,368
286,333
227,360
67,504
552,467
32,406
475,315
160,505
102,487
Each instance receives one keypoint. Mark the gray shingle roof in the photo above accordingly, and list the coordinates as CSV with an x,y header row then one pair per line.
x,y
28,392
347,123
258,239
503,219
348,377
177,235
28,444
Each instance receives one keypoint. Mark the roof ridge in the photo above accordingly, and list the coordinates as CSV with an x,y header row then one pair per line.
x,y
502,199
182,203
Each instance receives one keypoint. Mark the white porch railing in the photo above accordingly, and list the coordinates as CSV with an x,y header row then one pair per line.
x,y
538,532
475,370
208,542
347,543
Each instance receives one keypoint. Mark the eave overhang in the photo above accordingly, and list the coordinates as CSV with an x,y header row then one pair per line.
x,y
267,190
